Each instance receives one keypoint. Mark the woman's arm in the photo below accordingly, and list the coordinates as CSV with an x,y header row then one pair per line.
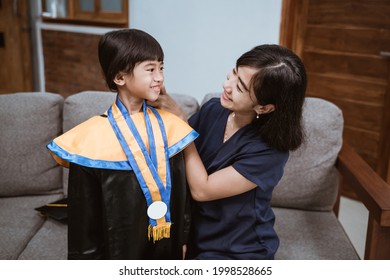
x,y
221,184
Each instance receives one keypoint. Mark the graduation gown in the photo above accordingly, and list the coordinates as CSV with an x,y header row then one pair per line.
x,y
107,210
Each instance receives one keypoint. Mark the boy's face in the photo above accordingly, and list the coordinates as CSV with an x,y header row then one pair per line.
x,y
146,80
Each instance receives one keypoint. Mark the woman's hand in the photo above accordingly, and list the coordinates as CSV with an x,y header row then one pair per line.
x,y
184,251
167,103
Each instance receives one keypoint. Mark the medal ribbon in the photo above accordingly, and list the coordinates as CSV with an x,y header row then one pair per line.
x,y
151,169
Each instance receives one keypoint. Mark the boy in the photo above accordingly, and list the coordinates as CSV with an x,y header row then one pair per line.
x,y
127,189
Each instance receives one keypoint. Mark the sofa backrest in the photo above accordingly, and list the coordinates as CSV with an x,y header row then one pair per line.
x,y
83,105
28,122
310,180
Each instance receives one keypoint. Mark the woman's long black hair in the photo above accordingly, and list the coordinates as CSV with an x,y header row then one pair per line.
x,y
281,81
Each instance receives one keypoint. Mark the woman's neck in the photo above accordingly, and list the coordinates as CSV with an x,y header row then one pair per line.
x,y
235,122
242,119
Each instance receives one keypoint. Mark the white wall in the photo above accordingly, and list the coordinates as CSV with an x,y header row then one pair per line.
x,y
203,38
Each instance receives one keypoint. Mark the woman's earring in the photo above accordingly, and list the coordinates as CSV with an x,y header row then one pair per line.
x,y
257,116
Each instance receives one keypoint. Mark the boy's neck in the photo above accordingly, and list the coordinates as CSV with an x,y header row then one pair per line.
x,y
133,105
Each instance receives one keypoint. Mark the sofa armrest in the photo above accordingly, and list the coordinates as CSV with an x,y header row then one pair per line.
x,y
374,193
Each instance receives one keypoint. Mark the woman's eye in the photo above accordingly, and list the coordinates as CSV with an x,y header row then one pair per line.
x,y
161,68
239,89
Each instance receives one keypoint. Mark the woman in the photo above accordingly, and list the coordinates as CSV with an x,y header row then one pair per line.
x,y
239,157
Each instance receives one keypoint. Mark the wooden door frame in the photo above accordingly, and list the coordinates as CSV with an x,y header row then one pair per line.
x,y
384,165
292,10
20,10
293,14
287,23
26,44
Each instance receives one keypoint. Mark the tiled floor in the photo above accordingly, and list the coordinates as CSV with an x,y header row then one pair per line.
x,y
354,216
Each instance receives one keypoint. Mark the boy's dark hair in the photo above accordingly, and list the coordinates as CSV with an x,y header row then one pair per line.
x,y
280,80
121,50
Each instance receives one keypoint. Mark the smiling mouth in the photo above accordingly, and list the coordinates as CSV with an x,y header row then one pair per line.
x,y
156,88
226,96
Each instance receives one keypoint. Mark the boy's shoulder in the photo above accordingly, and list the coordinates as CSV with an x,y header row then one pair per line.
x,y
177,130
93,143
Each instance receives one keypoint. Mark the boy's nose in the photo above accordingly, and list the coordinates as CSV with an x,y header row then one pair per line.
x,y
158,77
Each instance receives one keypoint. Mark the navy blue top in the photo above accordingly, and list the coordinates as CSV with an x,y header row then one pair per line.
x,y
238,227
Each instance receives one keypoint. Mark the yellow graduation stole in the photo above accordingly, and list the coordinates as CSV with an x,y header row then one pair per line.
x,y
150,167
94,144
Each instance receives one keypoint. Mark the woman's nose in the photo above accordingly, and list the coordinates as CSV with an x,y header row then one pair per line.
x,y
227,85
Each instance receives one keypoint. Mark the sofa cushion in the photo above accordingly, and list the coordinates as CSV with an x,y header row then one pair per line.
x,y
50,243
310,179
29,121
311,235
208,96
188,103
19,222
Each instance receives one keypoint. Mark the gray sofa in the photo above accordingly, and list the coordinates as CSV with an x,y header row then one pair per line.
x,y
303,201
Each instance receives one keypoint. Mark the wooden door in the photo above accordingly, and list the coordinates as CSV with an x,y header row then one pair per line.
x,y
345,46
15,47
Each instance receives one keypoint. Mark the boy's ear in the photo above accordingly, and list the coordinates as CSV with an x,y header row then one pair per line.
x,y
264,109
119,79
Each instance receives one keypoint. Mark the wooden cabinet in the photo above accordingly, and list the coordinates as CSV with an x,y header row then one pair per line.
x,y
345,47
110,13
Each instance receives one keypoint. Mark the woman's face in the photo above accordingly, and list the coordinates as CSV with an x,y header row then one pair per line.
x,y
237,93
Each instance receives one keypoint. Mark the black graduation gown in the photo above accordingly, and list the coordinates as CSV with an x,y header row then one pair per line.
x,y
107,217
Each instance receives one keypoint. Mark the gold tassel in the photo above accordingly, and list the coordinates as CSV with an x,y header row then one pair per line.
x,y
159,232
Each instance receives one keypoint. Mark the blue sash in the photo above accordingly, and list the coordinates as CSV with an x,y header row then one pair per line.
x,y
149,167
